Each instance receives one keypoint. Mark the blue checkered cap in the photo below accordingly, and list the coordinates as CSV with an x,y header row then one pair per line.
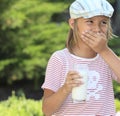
x,y
90,8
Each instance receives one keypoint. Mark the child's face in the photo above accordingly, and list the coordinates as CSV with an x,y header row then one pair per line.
x,y
97,24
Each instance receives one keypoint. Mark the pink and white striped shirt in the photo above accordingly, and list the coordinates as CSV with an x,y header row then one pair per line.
x,y
100,95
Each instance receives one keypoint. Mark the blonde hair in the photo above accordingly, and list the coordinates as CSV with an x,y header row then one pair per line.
x,y
73,36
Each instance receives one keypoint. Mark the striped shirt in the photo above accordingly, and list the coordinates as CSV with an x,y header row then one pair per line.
x,y
100,95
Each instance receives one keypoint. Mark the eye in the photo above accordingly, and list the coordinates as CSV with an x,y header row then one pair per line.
x,y
89,21
104,22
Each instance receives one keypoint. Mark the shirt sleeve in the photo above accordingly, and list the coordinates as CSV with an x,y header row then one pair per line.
x,y
53,73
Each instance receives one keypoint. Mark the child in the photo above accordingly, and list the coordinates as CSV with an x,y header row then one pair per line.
x,y
87,44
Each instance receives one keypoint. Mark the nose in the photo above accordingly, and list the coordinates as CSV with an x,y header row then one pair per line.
x,y
96,28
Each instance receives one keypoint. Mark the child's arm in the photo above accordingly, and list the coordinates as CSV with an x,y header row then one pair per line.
x,y
52,101
98,42
112,60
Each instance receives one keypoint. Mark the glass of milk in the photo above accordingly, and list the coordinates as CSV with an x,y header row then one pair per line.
x,y
80,93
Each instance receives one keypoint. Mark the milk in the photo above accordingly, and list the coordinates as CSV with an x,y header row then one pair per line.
x,y
80,93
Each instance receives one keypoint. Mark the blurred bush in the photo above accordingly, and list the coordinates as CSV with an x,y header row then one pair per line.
x,y
117,103
21,106
28,37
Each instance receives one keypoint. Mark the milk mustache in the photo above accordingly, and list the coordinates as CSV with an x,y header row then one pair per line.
x,y
80,93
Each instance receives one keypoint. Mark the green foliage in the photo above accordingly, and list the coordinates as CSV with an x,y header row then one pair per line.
x,y
116,89
115,45
117,103
20,106
28,37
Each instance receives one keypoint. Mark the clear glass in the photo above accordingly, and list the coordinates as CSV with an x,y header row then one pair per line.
x,y
80,93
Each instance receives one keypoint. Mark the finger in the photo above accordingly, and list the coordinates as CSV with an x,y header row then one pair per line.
x,y
92,39
74,82
76,85
88,36
87,40
97,36
73,76
72,73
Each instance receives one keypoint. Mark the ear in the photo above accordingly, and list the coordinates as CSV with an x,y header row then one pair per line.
x,y
71,23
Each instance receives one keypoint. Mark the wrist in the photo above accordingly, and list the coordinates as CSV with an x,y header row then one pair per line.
x,y
104,51
65,90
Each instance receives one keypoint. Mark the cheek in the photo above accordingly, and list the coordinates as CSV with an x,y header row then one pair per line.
x,y
83,28
88,28
105,30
